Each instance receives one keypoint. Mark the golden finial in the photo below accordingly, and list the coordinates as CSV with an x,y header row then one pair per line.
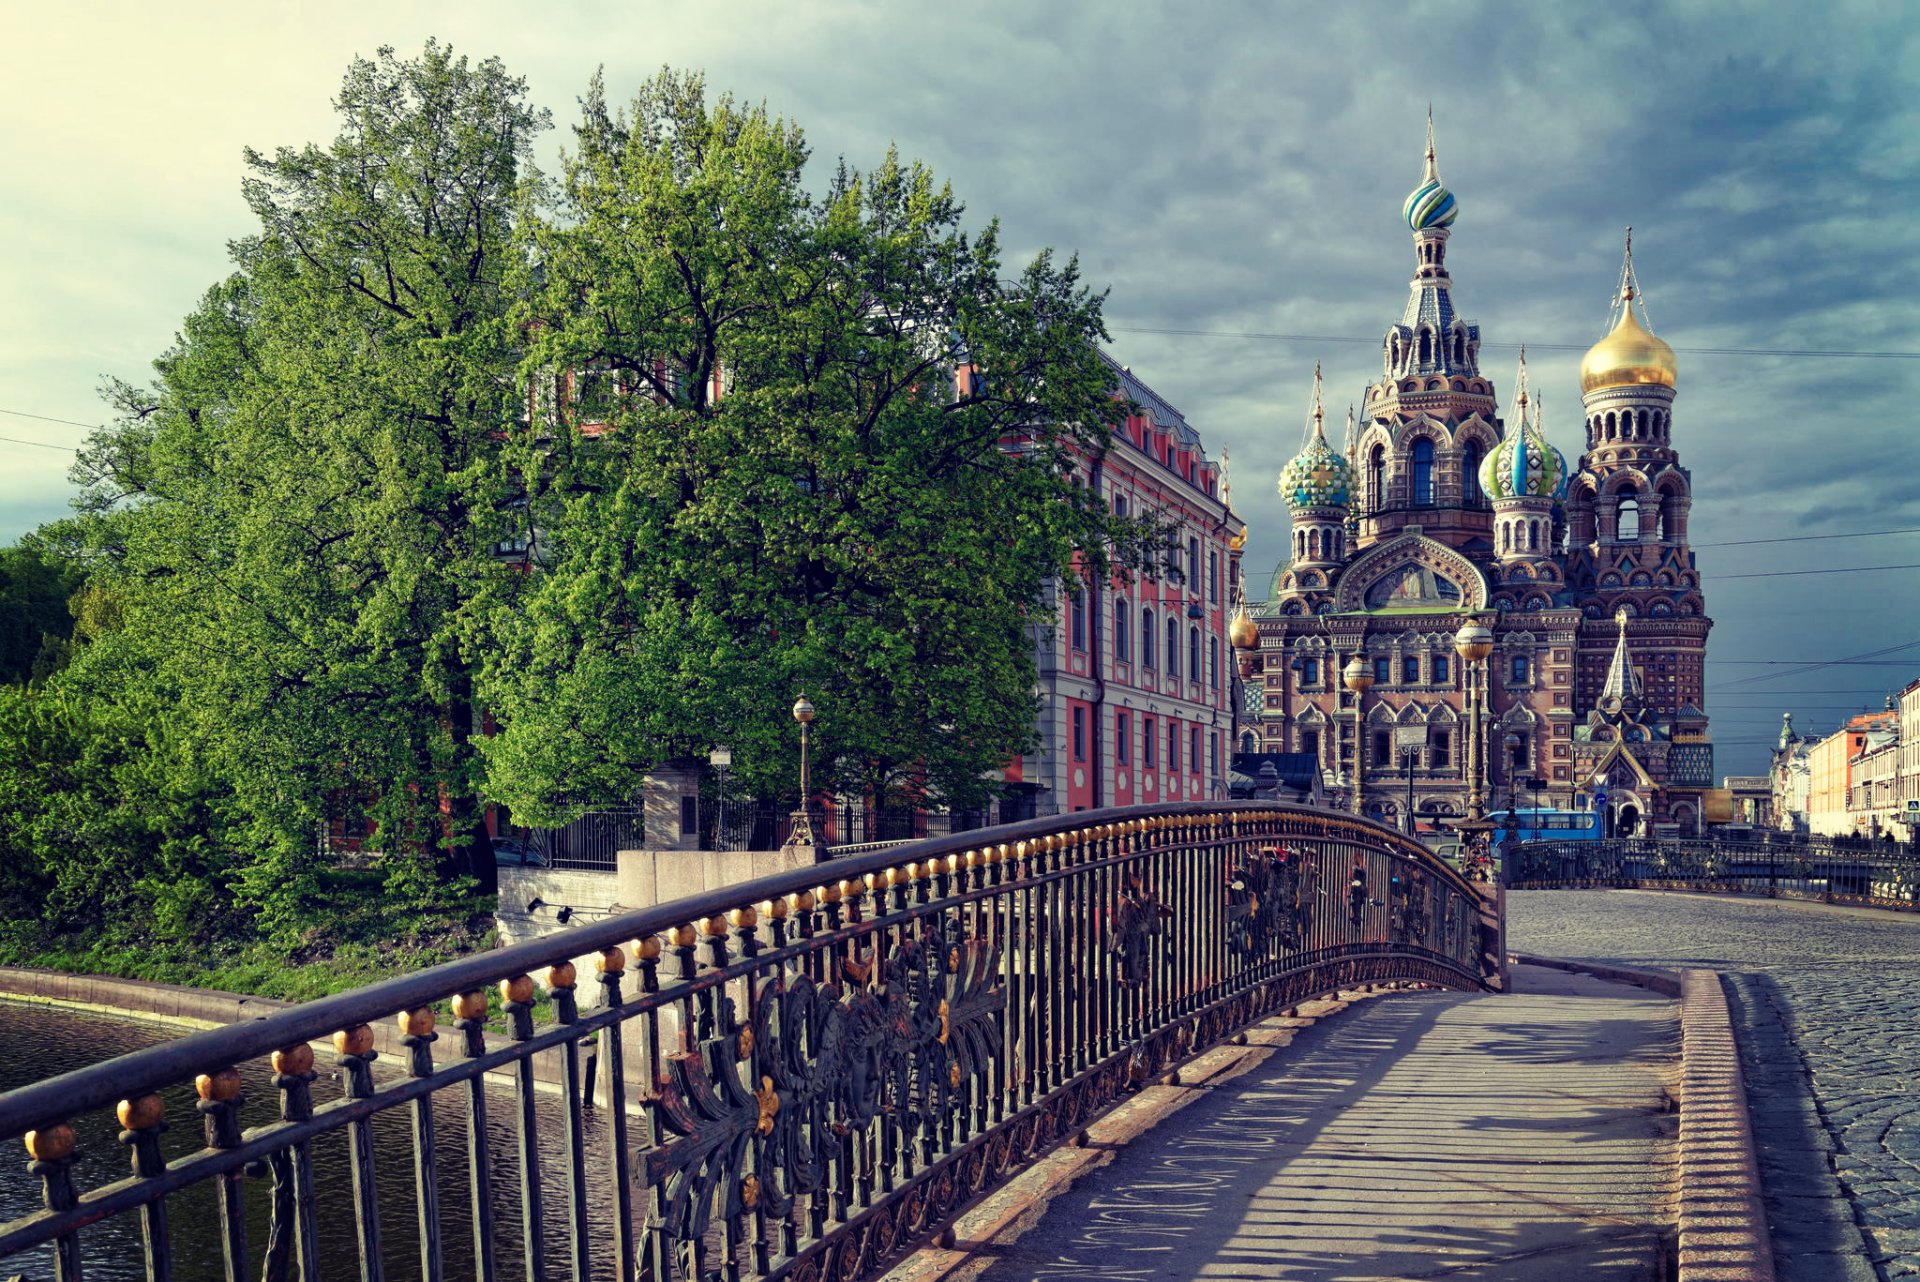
x,y
1433,170
1520,385
1352,443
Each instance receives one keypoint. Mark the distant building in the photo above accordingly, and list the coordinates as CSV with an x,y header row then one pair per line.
x,y
1136,679
1436,511
1830,769
1752,799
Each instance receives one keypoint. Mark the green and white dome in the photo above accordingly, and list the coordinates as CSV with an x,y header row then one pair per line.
x,y
1525,465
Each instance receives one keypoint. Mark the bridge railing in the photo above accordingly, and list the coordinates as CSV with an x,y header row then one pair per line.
x,y
1879,875
803,1075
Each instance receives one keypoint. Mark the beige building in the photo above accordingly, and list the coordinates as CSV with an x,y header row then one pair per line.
x,y
1832,803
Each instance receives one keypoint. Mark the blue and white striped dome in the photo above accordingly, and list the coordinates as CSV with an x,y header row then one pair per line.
x,y
1430,205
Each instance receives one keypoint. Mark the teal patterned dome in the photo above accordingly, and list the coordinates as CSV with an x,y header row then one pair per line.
x,y
1316,477
1525,465
1430,205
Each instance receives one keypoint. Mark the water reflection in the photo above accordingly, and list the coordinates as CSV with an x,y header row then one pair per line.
x,y
37,1042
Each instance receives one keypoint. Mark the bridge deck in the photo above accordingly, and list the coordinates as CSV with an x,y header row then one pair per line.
x,y
1416,1135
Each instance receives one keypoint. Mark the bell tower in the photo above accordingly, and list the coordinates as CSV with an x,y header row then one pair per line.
x,y
1627,512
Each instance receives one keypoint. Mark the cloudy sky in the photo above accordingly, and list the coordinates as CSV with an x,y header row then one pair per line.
x,y
1231,168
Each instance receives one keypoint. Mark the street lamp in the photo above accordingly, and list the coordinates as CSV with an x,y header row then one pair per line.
x,y
1359,679
1412,754
802,830
1512,743
720,759
1473,643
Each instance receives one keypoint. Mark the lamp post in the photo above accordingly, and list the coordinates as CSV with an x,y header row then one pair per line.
x,y
1511,742
802,830
720,759
1473,643
1412,755
1599,785
1359,680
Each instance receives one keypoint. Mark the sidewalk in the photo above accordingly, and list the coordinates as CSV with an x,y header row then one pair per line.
x,y
1414,1135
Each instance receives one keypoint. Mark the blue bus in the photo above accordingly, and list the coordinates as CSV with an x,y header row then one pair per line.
x,y
1546,825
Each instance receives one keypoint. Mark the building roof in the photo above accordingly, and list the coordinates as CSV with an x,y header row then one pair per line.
x,y
1159,407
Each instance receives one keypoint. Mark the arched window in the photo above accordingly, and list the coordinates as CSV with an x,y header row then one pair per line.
x,y
1629,524
1313,544
1077,609
1506,537
1173,646
1533,536
1213,662
1422,472
1146,638
1377,478
1470,460
1426,348
1193,654
1122,651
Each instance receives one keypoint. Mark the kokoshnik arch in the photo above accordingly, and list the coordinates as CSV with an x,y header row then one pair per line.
x,y
1437,511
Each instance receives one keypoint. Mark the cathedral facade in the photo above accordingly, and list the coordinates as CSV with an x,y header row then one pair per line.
x,y
1434,512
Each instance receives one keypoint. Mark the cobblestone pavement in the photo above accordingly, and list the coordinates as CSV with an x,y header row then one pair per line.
x,y
1827,1006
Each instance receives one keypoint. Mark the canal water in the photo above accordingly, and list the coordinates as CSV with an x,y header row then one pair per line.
x,y
37,1042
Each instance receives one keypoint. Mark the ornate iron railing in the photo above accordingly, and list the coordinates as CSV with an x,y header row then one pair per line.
x,y
1875,874
803,1075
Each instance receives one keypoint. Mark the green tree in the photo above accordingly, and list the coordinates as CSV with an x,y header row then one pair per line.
x,y
787,444
302,512
35,621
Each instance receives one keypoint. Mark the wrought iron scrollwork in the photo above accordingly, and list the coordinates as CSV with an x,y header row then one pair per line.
x,y
1141,920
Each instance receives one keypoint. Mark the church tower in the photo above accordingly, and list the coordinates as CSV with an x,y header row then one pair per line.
x,y
1627,514
1314,484
1430,420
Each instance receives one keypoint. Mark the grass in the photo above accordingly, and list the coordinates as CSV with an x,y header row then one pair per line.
x,y
365,939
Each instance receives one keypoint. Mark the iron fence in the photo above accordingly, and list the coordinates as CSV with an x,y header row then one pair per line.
x,y
1874,874
804,1075
590,843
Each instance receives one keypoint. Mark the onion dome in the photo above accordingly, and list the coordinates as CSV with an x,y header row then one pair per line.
x,y
1430,204
1525,465
1242,632
1316,476
1631,355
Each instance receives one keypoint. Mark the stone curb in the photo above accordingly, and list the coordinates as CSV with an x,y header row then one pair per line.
x,y
967,1247
1653,980
1723,1222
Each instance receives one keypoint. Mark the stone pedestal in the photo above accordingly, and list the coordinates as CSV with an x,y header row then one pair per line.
x,y
671,795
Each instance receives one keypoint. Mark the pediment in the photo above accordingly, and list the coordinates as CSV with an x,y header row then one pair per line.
x,y
1412,572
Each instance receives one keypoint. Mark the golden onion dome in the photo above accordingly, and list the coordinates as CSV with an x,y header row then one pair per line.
x,y
1630,356
1243,633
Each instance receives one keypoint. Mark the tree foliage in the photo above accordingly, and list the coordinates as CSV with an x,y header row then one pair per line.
x,y
791,444
301,512
759,442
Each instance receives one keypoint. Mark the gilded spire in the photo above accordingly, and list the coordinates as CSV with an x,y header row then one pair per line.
x,y
1350,447
1629,289
1226,478
1433,170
